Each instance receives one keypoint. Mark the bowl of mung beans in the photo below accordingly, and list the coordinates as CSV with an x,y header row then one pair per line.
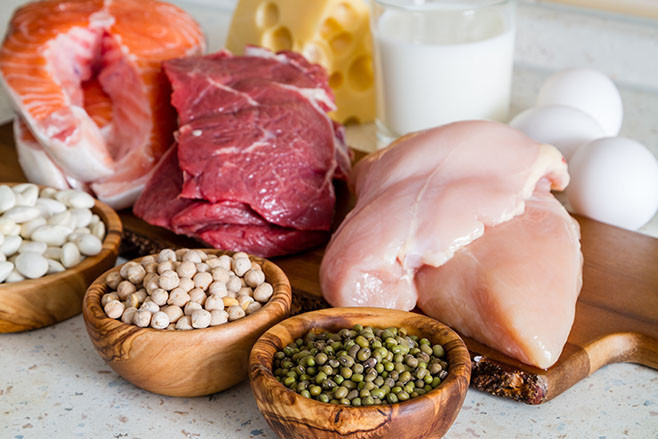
x,y
182,322
360,373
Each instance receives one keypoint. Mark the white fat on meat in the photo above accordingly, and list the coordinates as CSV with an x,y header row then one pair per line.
x,y
426,203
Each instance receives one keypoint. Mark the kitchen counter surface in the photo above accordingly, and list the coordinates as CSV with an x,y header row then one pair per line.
x,y
55,385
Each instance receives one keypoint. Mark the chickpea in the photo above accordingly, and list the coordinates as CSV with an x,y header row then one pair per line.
x,y
141,294
213,262
174,312
190,307
112,280
230,301
233,284
197,295
221,274
171,327
114,309
217,317
202,267
151,307
160,320
235,313
132,301
253,307
263,292
203,255
178,297
165,266
151,268
202,280
180,252
159,296
108,297
186,284
241,266
253,278
201,318
142,318
125,289
245,291
214,302
245,301
168,280
186,269
136,274
184,323
123,271
225,262
128,316
151,282
167,255
192,256
147,260
240,255
217,288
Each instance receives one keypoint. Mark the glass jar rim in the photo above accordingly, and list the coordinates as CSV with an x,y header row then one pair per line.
x,y
430,5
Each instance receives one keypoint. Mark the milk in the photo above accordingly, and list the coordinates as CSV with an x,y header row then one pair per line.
x,y
440,66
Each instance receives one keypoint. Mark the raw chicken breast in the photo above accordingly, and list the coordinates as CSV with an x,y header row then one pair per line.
x,y
53,47
429,199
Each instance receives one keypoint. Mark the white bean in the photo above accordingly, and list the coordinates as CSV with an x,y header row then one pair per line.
x,y
33,246
49,206
70,255
98,230
54,266
3,258
82,217
22,214
6,226
89,245
7,198
14,276
61,219
5,270
31,265
79,199
53,235
48,192
11,244
53,253
29,227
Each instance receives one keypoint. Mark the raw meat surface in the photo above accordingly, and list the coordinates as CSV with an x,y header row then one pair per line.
x,y
256,153
58,53
430,203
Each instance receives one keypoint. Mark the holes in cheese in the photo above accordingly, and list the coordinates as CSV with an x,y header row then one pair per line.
x,y
332,33
360,74
341,42
267,15
278,39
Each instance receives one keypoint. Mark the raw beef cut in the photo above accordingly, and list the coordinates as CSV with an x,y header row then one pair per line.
x,y
86,80
459,220
256,154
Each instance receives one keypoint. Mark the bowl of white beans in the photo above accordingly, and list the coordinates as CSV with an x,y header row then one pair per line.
x,y
53,244
183,322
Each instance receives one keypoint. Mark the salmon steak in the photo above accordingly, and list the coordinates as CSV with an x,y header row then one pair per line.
x,y
460,221
86,80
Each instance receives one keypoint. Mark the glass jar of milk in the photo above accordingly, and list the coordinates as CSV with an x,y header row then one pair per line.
x,y
440,61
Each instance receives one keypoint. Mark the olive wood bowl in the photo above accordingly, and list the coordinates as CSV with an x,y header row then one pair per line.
x,y
292,415
35,303
184,363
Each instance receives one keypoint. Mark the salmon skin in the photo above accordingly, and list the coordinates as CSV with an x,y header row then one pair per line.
x,y
86,81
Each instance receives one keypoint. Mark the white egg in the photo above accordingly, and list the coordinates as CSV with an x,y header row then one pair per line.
x,y
588,90
566,128
614,180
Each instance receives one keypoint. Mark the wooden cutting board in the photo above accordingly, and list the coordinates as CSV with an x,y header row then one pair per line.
x,y
616,315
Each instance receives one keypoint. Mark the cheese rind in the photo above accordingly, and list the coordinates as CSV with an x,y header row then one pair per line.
x,y
332,33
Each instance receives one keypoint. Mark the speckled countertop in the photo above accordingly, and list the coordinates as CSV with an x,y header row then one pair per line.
x,y
53,384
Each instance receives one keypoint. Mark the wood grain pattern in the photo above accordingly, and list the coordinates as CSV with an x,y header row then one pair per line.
x,y
35,303
183,363
293,416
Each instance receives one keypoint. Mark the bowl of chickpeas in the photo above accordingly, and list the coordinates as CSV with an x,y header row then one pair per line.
x,y
360,373
182,322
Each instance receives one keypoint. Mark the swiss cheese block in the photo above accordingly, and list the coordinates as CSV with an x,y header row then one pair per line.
x,y
333,33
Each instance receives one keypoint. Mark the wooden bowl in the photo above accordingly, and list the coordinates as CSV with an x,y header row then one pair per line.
x,y
184,363
292,415
35,303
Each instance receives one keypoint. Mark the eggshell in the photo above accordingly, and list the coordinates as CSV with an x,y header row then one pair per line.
x,y
614,180
566,128
588,90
